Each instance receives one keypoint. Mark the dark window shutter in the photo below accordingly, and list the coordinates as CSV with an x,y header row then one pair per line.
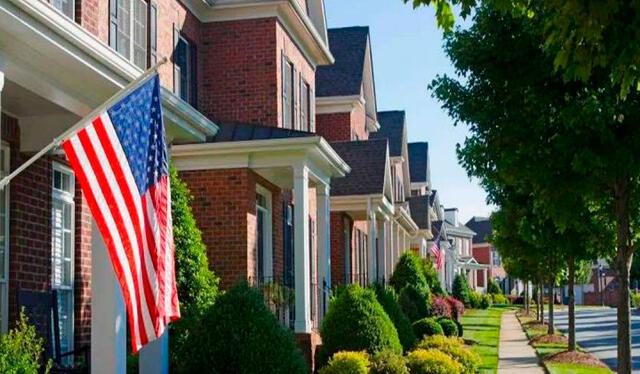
x,y
295,97
176,68
153,34
113,24
283,79
193,75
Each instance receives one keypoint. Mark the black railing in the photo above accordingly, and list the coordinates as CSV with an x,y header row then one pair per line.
x,y
358,278
278,297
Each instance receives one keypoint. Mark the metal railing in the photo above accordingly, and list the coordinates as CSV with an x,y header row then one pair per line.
x,y
278,297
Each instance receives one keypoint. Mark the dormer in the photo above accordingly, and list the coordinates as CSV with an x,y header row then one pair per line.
x,y
346,95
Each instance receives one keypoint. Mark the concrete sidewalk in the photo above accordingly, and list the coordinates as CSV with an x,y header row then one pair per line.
x,y
515,355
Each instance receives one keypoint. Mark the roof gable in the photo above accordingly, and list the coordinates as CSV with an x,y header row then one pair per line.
x,y
369,162
419,207
419,162
482,227
345,77
393,128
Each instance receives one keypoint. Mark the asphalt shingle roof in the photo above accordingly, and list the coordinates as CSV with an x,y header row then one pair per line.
x,y
238,132
432,197
367,159
418,161
392,128
419,207
343,78
436,226
482,228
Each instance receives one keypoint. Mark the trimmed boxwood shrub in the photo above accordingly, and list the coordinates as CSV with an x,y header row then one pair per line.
x,y
455,348
449,327
427,327
389,301
499,298
461,290
431,276
475,299
347,363
356,321
387,362
432,361
485,301
197,285
415,302
408,271
440,342
239,334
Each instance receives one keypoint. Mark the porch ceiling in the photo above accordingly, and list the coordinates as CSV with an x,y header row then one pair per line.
x,y
356,206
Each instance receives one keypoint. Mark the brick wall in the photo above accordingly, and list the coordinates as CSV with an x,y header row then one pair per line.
x,y
337,248
334,126
83,224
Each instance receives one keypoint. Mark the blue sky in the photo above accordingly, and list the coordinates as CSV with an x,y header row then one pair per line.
x,y
407,55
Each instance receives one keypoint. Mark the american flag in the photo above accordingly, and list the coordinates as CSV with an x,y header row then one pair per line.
x,y
437,253
120,159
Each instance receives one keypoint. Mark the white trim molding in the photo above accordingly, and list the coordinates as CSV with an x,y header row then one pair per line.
x,y
338,104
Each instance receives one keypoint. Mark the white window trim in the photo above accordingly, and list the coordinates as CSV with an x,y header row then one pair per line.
x,y
4,303
68,198
268,234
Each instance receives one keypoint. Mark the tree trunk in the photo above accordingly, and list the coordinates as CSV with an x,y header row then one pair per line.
x,y
525,301
551,328
541,302
572,304
623,266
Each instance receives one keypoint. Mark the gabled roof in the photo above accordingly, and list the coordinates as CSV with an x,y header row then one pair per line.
x,y
419,207
369,163
392,127
419,162
232,132
432,197
436,226
482,228
344,78
460,229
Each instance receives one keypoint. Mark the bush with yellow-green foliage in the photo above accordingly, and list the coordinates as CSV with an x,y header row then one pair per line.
x,y
453,347
344,362
21,349
432,361
499,299
388,362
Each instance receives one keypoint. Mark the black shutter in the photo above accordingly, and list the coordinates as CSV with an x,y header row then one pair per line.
x,y
193,75
176,68
113,24
312,110
153,34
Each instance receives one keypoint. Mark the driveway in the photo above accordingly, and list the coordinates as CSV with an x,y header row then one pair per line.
x,y
596,331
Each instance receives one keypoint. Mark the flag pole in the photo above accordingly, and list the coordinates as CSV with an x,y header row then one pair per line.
x,y
60,138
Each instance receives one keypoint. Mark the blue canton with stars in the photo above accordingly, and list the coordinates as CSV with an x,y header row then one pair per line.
x,y
137,119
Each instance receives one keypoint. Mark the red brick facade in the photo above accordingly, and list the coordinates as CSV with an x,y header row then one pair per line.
x,y
343,126
483,253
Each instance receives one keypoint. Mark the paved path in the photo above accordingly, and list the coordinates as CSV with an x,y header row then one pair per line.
x,y
516,355
596,331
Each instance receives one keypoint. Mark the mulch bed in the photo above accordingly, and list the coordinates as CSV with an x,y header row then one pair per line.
x,y
580,358
536,325
549,339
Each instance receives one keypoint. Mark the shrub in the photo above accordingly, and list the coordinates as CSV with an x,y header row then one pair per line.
x,y
432,361
415,302
499,298
635,300
493,288
449,327
441,342
21,349
457,307
197,285
388,298
440,307
485,301
347,363
431,276
356,321
387,362
460,289
475,299
239,334
408,271
427,327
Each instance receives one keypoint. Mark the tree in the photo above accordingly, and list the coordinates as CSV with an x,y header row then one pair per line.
x,y
461,290
581,36
569,144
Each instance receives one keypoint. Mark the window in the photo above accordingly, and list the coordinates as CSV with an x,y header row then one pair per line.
x,y
347,250
67,7
495,258
4,242
128,31
62,250
184,65
305,106
288,94
263,254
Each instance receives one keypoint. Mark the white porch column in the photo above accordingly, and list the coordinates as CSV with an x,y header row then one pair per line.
x,y
398,244
388,249
323,202
108,316
372,233
301,250
382,257
485,274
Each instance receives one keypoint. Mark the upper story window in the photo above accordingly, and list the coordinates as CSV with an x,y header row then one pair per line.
x,y
133,30
184,66
495,258
398,184
288,94
67,7
305,106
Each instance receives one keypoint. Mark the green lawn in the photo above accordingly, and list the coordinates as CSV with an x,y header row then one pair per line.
x,y
545,349
483,326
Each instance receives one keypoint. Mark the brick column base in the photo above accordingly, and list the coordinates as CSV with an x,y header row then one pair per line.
x,y
310,345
